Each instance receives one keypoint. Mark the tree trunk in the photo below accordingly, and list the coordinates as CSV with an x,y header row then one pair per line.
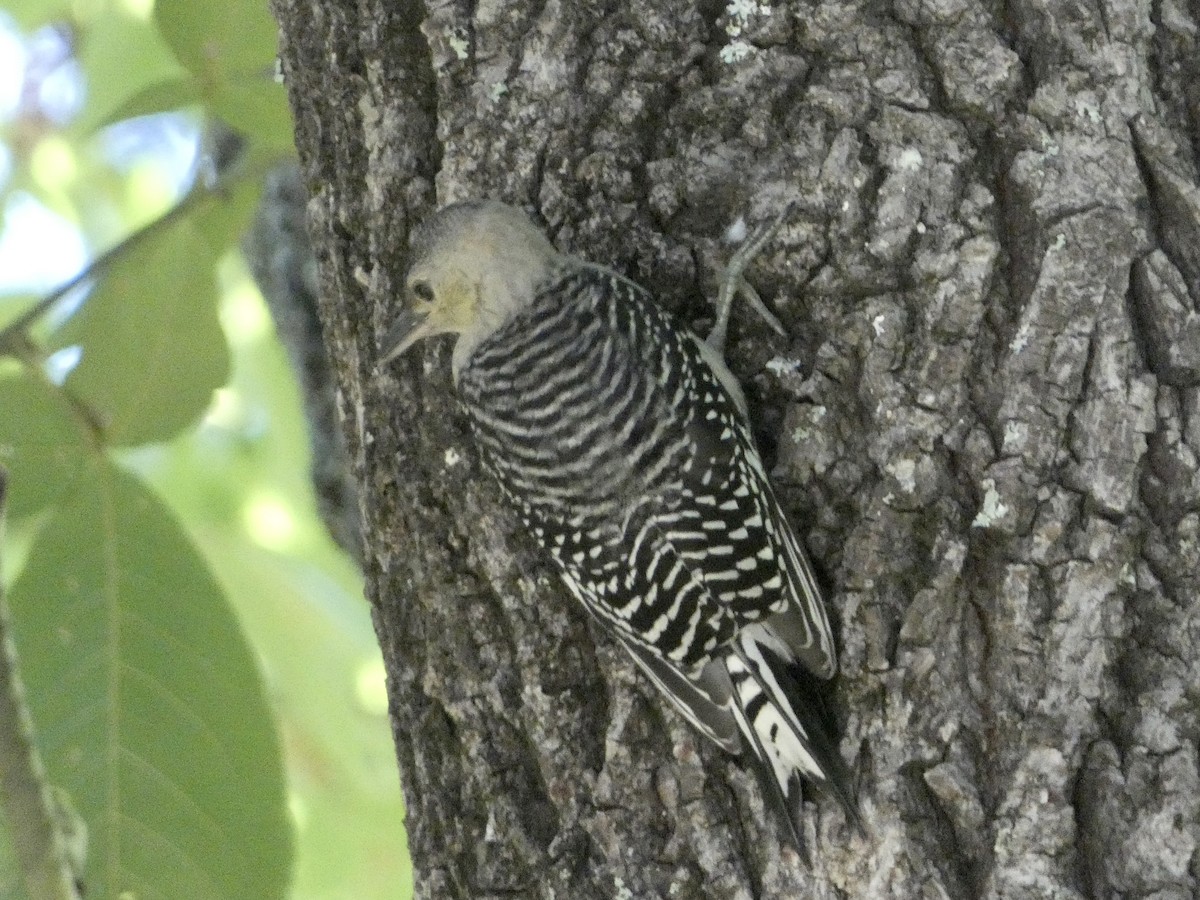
x,y
985,422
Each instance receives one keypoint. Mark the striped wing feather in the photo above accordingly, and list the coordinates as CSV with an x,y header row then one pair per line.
x,y
644,483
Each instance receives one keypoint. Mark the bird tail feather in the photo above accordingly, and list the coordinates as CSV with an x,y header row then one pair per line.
x,y
779,712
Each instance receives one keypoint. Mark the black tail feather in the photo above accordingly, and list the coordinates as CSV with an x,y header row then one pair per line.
x,y
785,722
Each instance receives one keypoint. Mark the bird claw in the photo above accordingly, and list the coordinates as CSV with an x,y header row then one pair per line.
x,y
733,283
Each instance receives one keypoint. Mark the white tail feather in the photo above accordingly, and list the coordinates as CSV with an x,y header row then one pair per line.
x,y
783,731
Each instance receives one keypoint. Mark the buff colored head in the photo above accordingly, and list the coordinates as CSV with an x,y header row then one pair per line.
x,y
473,265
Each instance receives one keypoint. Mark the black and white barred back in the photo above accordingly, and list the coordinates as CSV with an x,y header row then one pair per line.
x,y
629,460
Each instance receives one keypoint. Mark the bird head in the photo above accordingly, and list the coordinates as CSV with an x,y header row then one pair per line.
x,y
473,265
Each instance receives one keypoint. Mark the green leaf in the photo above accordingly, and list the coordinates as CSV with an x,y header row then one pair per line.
x,y
121,56
43,443
11,883
153,350
13,306
160,97
30,14
149,711
256,106
214,40
221,225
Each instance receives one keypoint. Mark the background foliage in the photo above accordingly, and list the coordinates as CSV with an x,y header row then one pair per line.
x,y
200,664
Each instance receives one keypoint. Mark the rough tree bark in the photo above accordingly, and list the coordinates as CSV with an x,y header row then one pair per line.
x,y
986,422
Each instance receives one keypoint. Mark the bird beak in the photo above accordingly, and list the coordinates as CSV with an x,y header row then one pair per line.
x,y
409,328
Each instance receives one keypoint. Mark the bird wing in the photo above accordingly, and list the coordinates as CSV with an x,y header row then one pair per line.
x,y
643,480
704,700
644,483
766,572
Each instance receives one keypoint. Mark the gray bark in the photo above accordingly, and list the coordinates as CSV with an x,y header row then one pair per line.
x,y
985,421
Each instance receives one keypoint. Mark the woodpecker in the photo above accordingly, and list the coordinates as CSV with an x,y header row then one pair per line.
x,y
622,441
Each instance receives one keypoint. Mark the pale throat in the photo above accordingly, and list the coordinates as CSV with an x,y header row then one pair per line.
x,y
493,305
511,286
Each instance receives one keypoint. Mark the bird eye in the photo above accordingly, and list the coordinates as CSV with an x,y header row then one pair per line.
x,y
422,291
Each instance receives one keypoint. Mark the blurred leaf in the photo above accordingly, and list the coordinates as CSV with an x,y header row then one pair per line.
x,y
121,56
303,609
315,638
257,107
30,14
221,225
43,443
13,306
153,350
11,882
149,709
163,96
214,40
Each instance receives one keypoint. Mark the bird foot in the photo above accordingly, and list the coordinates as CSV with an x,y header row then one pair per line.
x,y
733,282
